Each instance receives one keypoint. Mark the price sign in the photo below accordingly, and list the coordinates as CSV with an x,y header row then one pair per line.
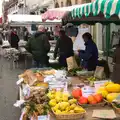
x,y
98,84
87,90
43,117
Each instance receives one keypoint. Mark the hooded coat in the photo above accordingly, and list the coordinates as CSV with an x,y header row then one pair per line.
x,y
89,57
39,46
14,40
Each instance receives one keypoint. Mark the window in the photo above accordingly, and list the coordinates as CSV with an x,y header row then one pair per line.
x,y
56,5
68,3
62,4
86,1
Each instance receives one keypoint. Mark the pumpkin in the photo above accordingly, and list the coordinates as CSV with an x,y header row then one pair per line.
x,y
83,100
98,97
76,93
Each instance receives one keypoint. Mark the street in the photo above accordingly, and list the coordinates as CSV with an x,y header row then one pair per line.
x,y
8,92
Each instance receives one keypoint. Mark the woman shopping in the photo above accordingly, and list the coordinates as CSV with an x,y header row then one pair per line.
x,y
89,56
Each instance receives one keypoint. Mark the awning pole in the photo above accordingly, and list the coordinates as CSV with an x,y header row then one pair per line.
x,y
107,40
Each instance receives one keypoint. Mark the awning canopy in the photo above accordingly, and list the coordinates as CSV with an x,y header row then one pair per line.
x,y
29,19
103,11
58,13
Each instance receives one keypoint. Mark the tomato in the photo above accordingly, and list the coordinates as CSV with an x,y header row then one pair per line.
x,y
83,100
98,97
76,93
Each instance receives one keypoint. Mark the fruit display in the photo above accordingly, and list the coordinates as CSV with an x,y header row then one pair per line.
x,y
109,91
76,93
34,110
37,96
33,77
91,99
91,79
62,103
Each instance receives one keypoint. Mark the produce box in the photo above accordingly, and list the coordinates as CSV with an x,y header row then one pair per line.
x,y
102,104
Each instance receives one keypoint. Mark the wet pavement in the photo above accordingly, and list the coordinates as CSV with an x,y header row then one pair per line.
x,y
8,91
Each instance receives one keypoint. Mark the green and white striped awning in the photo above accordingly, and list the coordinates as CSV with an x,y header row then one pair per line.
x,y
107,7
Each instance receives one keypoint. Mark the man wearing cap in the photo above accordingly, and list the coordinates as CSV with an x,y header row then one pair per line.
x,y
39,46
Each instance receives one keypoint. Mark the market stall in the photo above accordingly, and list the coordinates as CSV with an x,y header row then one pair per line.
x,y
48,94
100,11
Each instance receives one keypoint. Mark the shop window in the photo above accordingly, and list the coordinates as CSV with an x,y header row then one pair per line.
x,y
62,4
56,5
68,3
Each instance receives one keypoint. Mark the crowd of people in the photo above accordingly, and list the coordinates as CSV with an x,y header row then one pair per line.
x,y
38,45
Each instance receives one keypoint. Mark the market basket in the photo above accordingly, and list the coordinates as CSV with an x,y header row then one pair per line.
x,y
107,103
73,116
115,108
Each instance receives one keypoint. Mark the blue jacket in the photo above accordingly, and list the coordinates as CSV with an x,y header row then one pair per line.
x,y
89,57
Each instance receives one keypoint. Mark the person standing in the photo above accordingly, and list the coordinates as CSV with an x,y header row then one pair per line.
x,y
64,47
116,68
26,34
14,39
38,45
89,56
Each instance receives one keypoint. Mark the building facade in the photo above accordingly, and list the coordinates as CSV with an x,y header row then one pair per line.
x,y
9,7
63,3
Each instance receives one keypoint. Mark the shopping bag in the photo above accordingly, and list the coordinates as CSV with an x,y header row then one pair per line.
x,y
99,72
71,63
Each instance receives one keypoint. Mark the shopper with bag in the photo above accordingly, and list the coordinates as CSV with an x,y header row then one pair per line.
x,y
64,47
89,56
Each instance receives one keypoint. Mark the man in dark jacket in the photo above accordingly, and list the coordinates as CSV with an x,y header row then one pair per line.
x,y
64,47
89,57
39,46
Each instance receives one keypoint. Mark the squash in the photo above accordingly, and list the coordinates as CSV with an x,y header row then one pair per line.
x,y
104,93
112,96
113,88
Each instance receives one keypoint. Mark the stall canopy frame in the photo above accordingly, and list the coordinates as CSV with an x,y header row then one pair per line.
x,y
102,11
29,19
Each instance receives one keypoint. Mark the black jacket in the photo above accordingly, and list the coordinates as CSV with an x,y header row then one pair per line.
x,y
39,46
64,46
